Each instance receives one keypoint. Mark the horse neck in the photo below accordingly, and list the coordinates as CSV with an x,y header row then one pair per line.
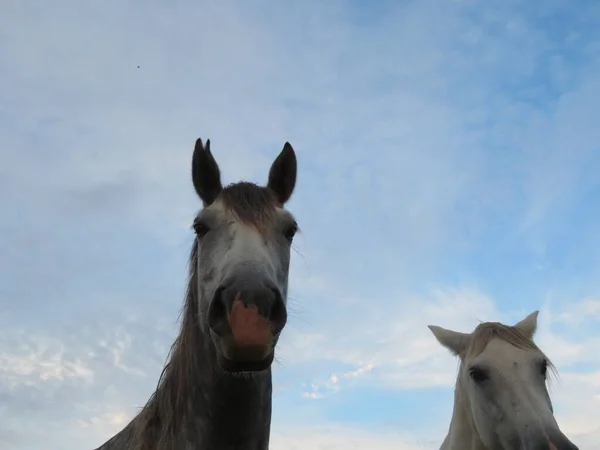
x,y
197,405
214,410
462,434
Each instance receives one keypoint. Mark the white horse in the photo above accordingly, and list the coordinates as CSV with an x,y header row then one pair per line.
x,y
501,401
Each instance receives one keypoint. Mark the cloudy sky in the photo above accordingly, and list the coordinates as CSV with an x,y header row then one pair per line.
x,y
449,165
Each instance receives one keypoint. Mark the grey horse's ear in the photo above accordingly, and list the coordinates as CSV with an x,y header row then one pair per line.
x,y
528,325
206,175
282,176
454,341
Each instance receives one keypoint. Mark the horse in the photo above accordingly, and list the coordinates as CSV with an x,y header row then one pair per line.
x,y
501,401
215,391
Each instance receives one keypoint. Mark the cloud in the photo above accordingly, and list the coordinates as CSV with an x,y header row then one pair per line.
x,y
400,356
576,404
398,338
583,311
70,380
401,350
41,362
335,437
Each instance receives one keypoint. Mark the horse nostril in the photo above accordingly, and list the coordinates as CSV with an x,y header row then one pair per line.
x,y
217,309
278,313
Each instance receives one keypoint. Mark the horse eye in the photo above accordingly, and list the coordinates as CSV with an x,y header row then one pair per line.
x,y
544,368
200,229
478,375
290,232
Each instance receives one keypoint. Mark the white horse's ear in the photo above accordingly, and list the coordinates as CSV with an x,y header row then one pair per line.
x,y
528,325
454,341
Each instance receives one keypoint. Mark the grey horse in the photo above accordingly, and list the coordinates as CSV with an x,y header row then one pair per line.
x,y
215,392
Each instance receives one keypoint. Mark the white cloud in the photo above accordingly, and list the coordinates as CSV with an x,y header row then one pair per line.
x,y
393,350
399,336
401,354
336,437
576,399
26,360
588,309
393,344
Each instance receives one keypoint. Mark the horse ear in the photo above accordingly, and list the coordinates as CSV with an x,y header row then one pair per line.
x,y
206,175
454,341
528,325
282,176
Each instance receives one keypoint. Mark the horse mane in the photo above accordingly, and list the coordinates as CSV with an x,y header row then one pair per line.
x,y
157,423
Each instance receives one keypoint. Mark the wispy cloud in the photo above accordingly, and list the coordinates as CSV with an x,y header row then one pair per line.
x,y
337,438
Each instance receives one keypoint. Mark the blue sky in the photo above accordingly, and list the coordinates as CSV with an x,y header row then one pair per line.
x,y
448,173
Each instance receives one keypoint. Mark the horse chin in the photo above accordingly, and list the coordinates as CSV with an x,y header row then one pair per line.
x,y
238,366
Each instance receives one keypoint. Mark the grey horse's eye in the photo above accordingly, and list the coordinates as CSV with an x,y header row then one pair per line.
x,y
544,368
200,229
290,232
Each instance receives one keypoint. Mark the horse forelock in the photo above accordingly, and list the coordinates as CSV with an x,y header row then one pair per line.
x,y
251,204
487,331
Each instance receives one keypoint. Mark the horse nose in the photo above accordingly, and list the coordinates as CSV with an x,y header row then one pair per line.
x,y
249,304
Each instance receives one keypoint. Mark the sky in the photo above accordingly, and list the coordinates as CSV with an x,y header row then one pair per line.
x,y
451,150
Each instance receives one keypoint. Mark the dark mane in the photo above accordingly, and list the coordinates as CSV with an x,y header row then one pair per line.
x,y
163,414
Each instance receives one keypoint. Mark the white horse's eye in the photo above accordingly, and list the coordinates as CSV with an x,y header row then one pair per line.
x,y
478,375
